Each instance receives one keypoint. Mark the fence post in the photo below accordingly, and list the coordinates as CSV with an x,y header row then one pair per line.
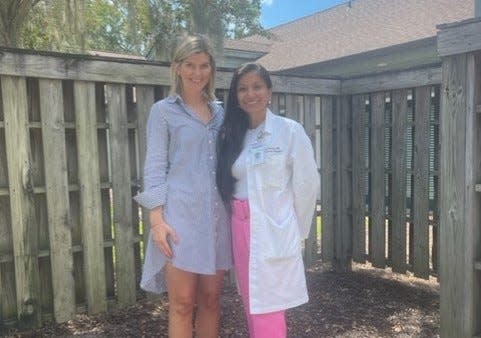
x,y
460,215
24,225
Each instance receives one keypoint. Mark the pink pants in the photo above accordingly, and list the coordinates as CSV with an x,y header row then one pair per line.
x,y
265,325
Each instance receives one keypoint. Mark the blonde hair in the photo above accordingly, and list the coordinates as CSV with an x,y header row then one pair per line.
x,y
193,44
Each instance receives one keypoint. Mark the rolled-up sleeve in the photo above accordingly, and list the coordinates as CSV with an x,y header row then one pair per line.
x,y
305,179
156,161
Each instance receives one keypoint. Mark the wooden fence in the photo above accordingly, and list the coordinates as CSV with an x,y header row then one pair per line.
x,y
72,144
72,138
391,178
380,177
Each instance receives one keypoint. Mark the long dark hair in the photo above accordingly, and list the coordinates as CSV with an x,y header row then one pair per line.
x,y
233,130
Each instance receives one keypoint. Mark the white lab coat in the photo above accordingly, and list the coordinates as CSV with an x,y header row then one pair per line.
x,y
282,193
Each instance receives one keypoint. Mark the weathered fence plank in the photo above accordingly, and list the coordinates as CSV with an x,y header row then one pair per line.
x,y
8,292
291,107
459,212
90,201
327,179
382,82
278,104
398,190
378,219
8,307
452,199
274,106
310,251
343,219
300,108
105,187
53,137
301,86
422,108
449,41
474,197
3,156
25,232
85,68
122,195
145,99
358,179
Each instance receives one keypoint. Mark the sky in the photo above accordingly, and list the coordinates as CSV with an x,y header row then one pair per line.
x,y
277,12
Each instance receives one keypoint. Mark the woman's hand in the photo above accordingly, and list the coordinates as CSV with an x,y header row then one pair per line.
x,y
161,231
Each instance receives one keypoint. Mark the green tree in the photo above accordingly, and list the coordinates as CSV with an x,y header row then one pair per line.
x,y
13,14
217,19
165,21
143,27
56,25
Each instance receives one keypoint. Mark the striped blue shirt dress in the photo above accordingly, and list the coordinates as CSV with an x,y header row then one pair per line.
x,y
179,174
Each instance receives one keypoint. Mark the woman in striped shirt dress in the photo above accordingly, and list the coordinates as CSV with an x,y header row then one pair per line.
x,y
189,246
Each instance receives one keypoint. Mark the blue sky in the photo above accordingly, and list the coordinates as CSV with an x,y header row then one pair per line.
x,y
277,12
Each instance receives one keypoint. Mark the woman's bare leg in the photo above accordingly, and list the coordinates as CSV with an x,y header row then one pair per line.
x,y
209,292
181,287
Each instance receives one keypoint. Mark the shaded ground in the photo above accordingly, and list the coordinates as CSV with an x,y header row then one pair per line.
x,y
364,303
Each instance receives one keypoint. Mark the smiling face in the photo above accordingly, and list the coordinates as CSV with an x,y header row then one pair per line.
x,y
253,96
195,72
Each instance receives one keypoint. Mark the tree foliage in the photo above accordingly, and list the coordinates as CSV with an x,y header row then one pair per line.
x,y
56,25
143,27
13,14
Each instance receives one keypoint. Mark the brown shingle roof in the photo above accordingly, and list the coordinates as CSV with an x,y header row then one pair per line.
x,y
355,27
248,45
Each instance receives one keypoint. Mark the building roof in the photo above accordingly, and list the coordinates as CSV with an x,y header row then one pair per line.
x,y
351,28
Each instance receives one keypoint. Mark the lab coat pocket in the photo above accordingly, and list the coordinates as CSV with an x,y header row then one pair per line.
x,y
274,170
283,238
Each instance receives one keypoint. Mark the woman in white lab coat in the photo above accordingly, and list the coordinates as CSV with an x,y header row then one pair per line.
x,y
267,175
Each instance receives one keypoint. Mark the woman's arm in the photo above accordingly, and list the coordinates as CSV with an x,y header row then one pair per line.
x,y
305,179
154,193
156,161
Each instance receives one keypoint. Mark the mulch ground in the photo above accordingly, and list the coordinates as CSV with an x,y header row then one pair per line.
x,y
366,302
